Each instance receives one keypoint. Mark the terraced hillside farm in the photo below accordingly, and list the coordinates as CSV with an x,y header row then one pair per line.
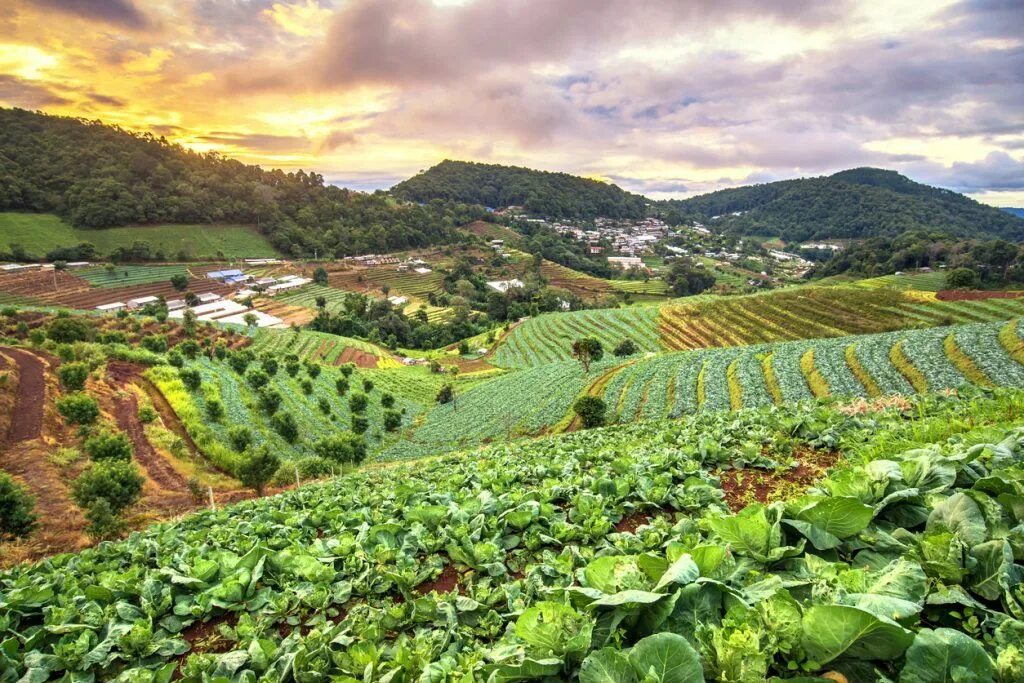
x,y
127,275
674,384
409,283
462,562
328,349
802,313
41,233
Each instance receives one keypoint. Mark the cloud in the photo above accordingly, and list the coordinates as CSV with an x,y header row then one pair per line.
x,y
121,13
18,93
998,171
336,139
258,142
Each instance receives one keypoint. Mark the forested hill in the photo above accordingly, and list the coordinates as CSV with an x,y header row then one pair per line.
x,y
97,176
857,203
1014,211
554,195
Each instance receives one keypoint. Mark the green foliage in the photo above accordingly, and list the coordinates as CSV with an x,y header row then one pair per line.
x,y
257,468
392,420
591,410
240,437
157,343
587,350
16,516
179,281
108,445
69,330
357,402
446,394
115,481
625,348
962,278
284,424
190,378
80,409
73,375
342,448
320,276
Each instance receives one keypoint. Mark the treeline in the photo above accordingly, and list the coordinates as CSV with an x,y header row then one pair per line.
x,y
854,204
96,176
542,193
996,262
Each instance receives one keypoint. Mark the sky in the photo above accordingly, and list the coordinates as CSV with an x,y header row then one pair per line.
x,y
670,98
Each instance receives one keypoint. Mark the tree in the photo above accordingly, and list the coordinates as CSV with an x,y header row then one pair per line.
x,y
258,467
69,330
190,378
392,420
116,481
320,276
446,394
108,445
284,424
240,437
73,375
357,402
321,302
16,516
250,319
590,409
587,350
342,447
626,347
179,282
962,278
191,299
79,409
189,321
685,278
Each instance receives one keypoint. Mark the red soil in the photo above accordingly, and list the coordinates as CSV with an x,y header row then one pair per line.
x,y
963,295
746,486
27,423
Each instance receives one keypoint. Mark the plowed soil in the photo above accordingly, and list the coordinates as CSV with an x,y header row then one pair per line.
x,y
958,295
362,359
126,412
27,422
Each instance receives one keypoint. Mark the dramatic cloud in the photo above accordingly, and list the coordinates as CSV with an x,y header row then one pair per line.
x,y
663,97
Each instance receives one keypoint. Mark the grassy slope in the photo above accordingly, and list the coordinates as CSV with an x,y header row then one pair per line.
x,y
39,233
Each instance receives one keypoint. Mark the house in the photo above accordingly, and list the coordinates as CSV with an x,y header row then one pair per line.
x,y
112,307
398,300
225,275
175,304
626,261
244,294
504,285
212,310
595,249
209,297
422,270
265,282
291,282
262,319
18,267
142,301
262,261
497,244
76,264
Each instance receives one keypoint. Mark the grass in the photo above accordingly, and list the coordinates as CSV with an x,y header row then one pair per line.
x,y
40,233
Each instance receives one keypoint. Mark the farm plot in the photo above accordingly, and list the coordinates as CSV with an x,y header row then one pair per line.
x,y
130,275
307,296
549,337
409,283
328,349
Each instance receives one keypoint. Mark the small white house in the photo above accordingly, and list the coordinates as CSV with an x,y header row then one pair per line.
x,y
209,297
111,307
175,304
422,270
626,261
142,301
398,300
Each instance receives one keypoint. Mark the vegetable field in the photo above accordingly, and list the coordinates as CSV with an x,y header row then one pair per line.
x,y
622,555
325,348
128,275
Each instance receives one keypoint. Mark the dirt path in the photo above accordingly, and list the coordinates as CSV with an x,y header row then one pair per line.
x,y
27,423
126,412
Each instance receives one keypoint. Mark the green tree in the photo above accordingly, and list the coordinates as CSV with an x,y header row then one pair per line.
x,y
587,350
179,282
590,409
108,445
16,516
116,481
258,467
320,276
80,409
73,375
626,347
342,447
962,278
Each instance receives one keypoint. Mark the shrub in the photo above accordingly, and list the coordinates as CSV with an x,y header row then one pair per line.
x,y
113,337
306,386
9,311
157,343
292,368
324,404
146,414
341,384
590,409
387,400
367,385
16,516
270,365
463,348
175,359
214,409
342,447
117,482
257,468
626,347
220,350
256,378
313,370
103,521
79,409
446,394
270,400
196,491
347,369
360,424
189,348
108,445
69,330
73,375
285,425
190,378
392,420
357,402
240,437
239,361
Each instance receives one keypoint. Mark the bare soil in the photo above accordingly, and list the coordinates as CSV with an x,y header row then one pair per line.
x,y
745,486
962,295
27,422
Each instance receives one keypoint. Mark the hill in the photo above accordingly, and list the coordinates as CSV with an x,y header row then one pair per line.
x,y
554,195
853,204
39,234
98,176
1013,211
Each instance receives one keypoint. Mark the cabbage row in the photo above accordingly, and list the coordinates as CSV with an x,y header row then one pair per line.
x,y
902,567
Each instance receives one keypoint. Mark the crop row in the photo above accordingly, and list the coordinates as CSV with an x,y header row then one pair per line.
x,y
128,275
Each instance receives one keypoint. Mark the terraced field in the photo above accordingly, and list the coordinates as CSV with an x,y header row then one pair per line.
x,y
548,338
786,315
868,366
307,295
324,348
409,283
653,287
129,275
923,282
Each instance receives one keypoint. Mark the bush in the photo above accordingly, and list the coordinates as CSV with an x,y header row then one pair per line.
x,y
343,447
239,361
270,400
214,409
104,524
240,437
270,365
189,348
157,343
108,445
347,369
324,404
16,516
306,386
257,468
387,400
392,420
256,378
591,410
292,368
9,311
357,402
79,409
175,359
190,378
196,490
360,424
115,481
73,375
69,330
285,425
310,467
446,394
341,384
146,414
626,347
962,278
313,370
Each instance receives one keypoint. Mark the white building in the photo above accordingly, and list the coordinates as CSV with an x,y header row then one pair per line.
x,y
142,301
626,261
504,285
112,307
